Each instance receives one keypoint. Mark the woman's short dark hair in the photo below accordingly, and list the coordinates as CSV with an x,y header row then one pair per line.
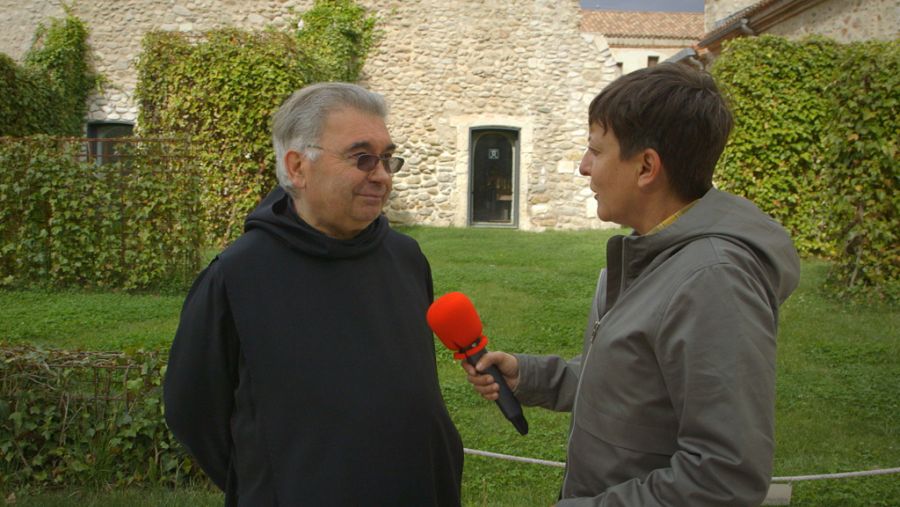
x,y
677,111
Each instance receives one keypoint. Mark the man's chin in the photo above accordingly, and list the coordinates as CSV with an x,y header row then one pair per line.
x,y
368,214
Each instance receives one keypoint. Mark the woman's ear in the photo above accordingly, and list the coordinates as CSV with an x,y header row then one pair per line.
x,y
651,171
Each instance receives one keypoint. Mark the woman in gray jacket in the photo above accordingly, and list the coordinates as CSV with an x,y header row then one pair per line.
x,y
673,396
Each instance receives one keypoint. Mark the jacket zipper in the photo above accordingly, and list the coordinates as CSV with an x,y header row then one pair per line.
x,y
575,403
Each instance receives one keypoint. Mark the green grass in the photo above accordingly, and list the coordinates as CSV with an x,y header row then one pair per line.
x,y
84,320
838,406
838,366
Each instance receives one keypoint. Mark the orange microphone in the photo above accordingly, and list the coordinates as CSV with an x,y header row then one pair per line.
x,y
454,320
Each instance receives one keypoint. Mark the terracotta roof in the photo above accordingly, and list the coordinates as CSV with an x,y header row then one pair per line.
x,y
659,25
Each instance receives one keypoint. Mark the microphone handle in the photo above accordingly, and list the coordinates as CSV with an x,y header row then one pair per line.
x,y
507,401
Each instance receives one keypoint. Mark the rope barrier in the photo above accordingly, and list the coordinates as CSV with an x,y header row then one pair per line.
x,y
841,475
793,478
515,458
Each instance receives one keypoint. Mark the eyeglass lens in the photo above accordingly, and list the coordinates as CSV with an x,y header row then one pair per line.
x,y
368,162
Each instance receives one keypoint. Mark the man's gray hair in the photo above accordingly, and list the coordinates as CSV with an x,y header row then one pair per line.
x,y
299,121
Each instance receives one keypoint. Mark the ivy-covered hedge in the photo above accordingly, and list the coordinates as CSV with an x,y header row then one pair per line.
x,y
777,91
92,419
67,221
48,94
223,89
335,36
814,145
861,178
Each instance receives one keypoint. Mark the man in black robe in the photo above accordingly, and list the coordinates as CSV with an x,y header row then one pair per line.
x,y
303,370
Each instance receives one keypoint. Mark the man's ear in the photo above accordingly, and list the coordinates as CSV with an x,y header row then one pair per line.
x,y
296,167
651,172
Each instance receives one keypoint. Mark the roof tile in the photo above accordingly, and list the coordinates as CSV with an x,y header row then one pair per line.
x,y
663,25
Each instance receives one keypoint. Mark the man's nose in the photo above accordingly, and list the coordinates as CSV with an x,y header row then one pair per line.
x,y
380,172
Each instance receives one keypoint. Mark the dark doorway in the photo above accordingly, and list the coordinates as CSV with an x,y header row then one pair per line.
x,y
494,177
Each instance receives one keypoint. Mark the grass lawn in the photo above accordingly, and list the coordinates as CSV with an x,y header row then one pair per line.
x,y
838,366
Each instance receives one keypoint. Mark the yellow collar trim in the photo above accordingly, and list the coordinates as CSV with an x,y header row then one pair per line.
x,y
671,220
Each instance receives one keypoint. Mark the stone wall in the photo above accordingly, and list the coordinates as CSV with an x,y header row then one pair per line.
x,y
118,26
717,10
445,66
634,58
845,21
841,20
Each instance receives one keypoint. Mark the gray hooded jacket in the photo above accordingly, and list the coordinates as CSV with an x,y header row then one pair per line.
x,y
673,396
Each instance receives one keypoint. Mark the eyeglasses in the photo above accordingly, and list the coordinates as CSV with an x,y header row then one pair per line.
x,y
367,162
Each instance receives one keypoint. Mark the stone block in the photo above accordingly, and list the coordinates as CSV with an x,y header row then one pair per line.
x,y
779,494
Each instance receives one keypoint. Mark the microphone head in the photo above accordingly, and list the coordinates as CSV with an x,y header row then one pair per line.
x,y
454,320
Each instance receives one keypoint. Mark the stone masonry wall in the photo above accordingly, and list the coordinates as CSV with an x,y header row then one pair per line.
x,y
717,10
841,20
845,21
118,26
449,66
445,66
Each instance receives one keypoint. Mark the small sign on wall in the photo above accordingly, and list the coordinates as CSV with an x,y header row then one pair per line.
x,y
493,153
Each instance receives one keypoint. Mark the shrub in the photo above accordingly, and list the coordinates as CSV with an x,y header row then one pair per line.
x,y
67,221
777,90
85,418
223,89
862,172
815,146
221,92
48,94
336,37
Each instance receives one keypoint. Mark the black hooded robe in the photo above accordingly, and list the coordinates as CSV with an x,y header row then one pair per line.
x,y
303,370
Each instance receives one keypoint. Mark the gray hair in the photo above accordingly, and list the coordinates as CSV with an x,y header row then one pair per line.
x,y
298,122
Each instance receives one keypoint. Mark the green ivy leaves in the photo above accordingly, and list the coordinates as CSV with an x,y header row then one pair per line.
x,y
85,418
48,94
67,221
336,36
815,146
862,171
223,89
777,91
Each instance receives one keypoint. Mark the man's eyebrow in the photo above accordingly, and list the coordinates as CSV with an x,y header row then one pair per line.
x,y
366,145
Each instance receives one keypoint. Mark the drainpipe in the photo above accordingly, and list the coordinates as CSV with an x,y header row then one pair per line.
x,y
745,27
694,62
